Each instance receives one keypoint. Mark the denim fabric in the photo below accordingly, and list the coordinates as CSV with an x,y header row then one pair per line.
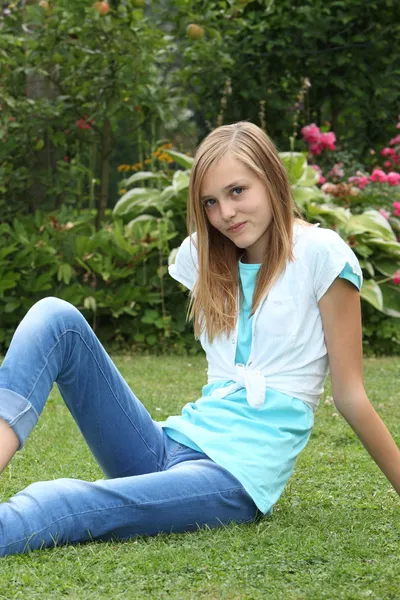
x,y
154,484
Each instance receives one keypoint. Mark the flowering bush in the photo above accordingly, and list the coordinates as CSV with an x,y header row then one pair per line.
x,y
318,141
364,208
380,188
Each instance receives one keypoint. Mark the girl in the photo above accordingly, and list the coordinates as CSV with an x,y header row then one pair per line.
x,y
272,298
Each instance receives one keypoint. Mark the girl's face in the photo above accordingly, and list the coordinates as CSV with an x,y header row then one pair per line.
x,y
233,195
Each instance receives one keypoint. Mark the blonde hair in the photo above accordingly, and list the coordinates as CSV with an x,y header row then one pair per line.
x,y
214,299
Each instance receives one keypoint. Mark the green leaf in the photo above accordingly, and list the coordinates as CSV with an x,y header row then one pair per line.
x,y
371,221
133,225
180,159
42,283
7,283
12,305
167,194
7,250
302,195
391,299
368,266
372,293
135,198
82,264
144,175
64,273
90,303
392,248
310,177
337,213
295,164
150,316
39,145
120,240
386,266
180,181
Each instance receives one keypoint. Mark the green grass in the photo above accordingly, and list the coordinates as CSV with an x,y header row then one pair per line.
x,y
335,533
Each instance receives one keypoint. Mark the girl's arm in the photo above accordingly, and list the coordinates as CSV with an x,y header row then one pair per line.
x,y
341,318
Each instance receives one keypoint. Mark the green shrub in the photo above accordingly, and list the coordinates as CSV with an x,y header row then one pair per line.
x,y
118,276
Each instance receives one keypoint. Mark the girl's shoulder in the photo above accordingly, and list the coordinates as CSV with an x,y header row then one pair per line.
x,y
325,254
183,263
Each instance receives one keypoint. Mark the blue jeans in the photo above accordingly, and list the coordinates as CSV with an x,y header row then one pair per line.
x,y
153,484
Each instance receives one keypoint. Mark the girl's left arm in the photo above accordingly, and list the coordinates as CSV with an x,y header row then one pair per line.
x,y
341,318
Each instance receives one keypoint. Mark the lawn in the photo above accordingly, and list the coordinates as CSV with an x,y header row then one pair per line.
x,y
334,534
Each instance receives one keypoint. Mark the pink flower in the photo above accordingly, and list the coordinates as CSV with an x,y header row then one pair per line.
x,y
336,172
396,206
311,133
384,213
378,175
398,125
321,179
317,140
388,152
363,182
83,124
395,141
396,278
360,181
329,139
387,164
393,178
316,149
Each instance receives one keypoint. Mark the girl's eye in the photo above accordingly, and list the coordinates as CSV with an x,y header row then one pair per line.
x,y
205,203
238,188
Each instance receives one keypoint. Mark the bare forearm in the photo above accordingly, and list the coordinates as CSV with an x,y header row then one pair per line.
x,y
9,444
376,438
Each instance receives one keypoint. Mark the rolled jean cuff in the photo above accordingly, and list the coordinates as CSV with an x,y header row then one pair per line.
x,y
18,413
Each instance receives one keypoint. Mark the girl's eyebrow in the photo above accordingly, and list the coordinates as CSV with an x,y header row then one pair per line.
x,y
227,187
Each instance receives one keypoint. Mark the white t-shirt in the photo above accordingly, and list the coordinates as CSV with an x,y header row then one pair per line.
x,y
288,350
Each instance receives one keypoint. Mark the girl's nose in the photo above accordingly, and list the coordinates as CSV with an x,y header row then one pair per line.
x,y
228,210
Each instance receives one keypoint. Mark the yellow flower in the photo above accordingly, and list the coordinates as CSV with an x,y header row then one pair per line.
x,y
122,192
147,161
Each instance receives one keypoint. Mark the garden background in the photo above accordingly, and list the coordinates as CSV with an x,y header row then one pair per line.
x,y
102,106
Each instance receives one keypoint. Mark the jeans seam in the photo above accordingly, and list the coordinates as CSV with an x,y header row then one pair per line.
x,y
105,378
137,505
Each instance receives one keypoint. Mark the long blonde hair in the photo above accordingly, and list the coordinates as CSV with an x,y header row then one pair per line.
x,y
214,299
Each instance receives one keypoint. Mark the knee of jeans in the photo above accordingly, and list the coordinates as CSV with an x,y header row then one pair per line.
x,y
53,308
45,492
